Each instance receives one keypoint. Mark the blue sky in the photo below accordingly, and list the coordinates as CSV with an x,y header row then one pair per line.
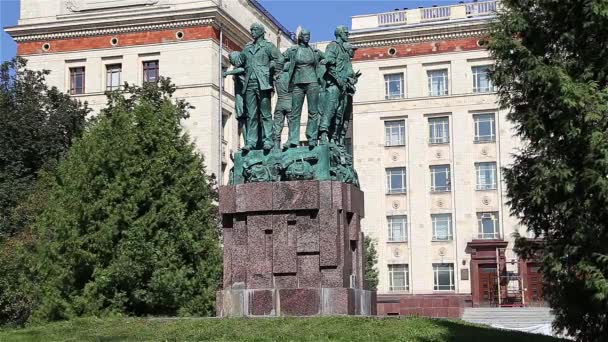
x,y
319,16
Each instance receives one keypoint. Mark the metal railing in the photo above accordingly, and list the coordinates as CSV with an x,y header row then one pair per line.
x,y
436,13
392,18
481,8
486,236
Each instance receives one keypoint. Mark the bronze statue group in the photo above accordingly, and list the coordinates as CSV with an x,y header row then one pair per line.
x,y
325,79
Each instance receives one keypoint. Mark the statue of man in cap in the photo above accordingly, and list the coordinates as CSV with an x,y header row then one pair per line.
x,y
339,67
263,62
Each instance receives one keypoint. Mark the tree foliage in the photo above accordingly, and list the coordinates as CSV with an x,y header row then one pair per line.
x,y
38,124
371,263
130,226
552,72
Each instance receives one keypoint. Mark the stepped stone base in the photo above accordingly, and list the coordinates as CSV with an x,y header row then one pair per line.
x,y
296,302
293,249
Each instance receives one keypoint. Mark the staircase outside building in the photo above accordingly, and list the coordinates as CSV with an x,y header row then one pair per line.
x,y
530,319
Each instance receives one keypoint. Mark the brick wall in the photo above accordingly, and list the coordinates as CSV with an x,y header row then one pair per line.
x,y
124,39
426,48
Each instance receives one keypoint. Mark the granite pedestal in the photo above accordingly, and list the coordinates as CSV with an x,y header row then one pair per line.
x,y
293,249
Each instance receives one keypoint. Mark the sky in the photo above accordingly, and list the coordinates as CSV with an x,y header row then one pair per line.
x,y
319,16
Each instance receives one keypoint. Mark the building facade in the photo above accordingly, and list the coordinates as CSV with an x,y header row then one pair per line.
x,y
428,136
93,46
429,141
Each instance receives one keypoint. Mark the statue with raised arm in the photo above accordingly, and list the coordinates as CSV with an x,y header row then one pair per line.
x,y
263,62
304,82
238,62
338,64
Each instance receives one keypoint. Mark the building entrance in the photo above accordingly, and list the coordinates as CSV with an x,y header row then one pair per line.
x,y
487,285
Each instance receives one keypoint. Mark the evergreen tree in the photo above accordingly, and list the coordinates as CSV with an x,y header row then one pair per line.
x,y
371,262
131,226
37,125
552,72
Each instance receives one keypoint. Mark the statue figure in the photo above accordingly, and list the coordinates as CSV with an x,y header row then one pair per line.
x,y
282,109
345,112
338,64
238,72
263,61
305,81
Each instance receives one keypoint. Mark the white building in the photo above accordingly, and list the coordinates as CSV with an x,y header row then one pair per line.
x,y
429,144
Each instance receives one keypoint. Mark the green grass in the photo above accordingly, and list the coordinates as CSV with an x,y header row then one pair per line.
x,y
265,329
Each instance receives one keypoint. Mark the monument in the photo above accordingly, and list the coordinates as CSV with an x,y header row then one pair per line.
x,y
291,214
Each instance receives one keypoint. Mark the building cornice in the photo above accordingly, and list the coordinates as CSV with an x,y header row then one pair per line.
x,y
421,33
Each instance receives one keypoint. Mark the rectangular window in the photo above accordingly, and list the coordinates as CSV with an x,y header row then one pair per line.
x,y
485,130
393,86
395,132
439,130
440,178
398,277
395,180
488,225
397,228
442,227
481,79
151,71
77,81
486,175
443,277
438,82
113,76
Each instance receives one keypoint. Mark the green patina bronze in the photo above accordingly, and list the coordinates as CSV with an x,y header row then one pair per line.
x,y
326,80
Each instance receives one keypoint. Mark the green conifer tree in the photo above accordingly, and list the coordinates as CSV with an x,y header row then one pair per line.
x,y
131,226
552,73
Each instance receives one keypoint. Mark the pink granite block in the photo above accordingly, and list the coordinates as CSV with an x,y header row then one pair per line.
x,y
253,197
259,280
338,194
309,274
261,303
227,261
239,266
227,199
307,226
284,258
325,194
357,202
333,277
453,313
285,281
329,237
354,226
299,195
300,302
258,260
239,232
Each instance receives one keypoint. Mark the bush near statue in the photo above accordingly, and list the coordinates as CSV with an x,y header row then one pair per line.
x,y
326,80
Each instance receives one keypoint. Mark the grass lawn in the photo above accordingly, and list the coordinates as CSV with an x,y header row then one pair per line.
x,y
265,329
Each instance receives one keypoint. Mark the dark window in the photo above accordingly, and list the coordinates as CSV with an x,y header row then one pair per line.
x,y
151,71
77,81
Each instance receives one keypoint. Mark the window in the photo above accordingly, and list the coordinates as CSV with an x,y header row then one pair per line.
x,y
481,79
442,227
76,81
393,86
398,277
486,175
488,225
395,132
113,73
151,71
439,130
444,277
397,228
438,82
440,178
485,130
395,180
